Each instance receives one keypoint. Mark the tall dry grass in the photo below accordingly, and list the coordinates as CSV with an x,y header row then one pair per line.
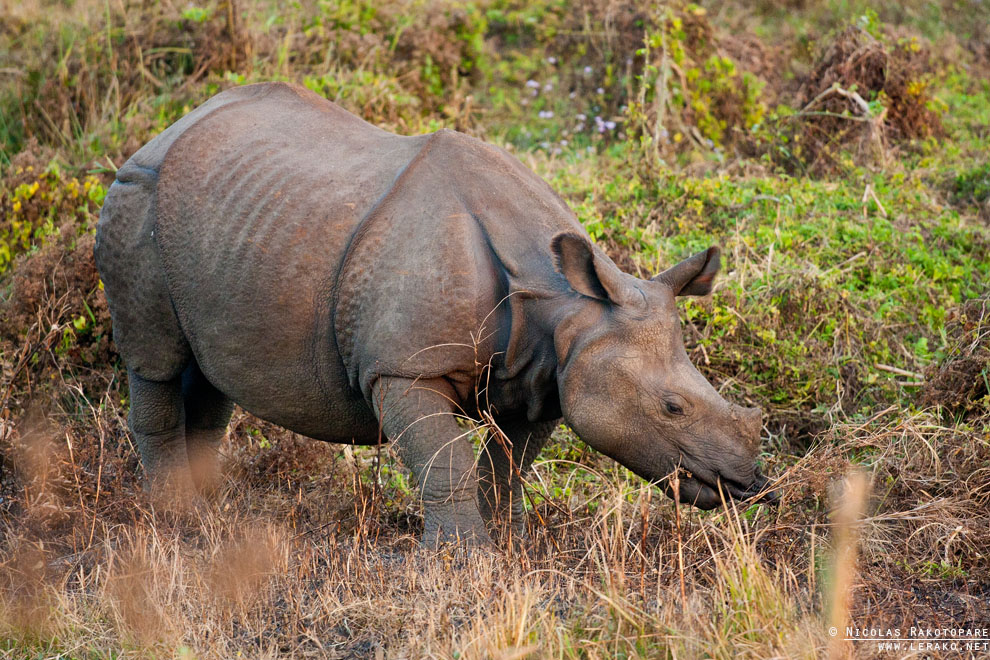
x,y
301,556
231,580
311,550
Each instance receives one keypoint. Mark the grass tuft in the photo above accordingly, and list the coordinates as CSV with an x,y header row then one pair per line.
x,y
835,151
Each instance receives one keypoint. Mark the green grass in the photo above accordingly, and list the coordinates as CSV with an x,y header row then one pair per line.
x,y
838,302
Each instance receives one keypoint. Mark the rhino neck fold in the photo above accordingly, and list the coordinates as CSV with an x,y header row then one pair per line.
x,y
526,373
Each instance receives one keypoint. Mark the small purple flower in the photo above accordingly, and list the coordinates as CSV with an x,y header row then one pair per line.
x,y
532,84
579,127
546,114
610,125
572,95
587,70
552,60
710,143
581,116
664,133
563,143
600,91
548,87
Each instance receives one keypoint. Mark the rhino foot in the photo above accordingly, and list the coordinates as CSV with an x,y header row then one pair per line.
x,y
454,525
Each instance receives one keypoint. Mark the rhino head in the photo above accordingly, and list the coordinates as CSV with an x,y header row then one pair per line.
x,y
628,389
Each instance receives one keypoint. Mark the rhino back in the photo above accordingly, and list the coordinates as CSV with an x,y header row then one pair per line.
x,y
257,203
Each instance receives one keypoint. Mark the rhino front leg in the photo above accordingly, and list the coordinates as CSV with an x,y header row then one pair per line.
x,y
157,420
418,416
502,467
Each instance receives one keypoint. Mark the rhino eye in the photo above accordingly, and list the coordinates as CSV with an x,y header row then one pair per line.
x,y
674,409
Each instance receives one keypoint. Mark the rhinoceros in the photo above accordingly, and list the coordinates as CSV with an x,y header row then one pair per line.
x,y
272,250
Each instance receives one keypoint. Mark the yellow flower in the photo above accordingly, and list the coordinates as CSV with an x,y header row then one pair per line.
x,y
17,206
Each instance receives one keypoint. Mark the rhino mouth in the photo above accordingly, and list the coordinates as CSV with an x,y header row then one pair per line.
x,y
705,493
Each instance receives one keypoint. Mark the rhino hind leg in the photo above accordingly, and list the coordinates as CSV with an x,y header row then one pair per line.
x,y
502,467
208,413
145,327
157,421
418,416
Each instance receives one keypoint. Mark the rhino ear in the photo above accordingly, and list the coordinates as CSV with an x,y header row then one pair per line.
x,y
591,275
694,276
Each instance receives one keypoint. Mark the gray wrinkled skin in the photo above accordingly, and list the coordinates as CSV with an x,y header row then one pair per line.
x,y
355,286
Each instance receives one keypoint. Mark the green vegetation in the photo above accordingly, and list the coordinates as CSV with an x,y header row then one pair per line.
x,y
837,152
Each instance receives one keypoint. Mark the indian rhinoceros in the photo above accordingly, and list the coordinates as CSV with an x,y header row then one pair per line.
x,y
356,286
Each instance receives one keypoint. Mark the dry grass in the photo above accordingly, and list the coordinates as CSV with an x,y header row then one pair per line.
x,y
311,549
232,580
303,553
